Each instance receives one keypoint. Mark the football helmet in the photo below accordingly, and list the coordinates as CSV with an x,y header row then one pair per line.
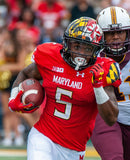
x,y
114,19
84,31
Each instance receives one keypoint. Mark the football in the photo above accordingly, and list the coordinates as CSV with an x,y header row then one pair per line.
x,y
33,92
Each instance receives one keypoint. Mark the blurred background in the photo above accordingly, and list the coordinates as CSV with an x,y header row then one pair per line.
x,y
23,25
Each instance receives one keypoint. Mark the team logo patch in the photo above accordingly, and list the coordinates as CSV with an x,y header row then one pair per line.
x,y
113,74
58,69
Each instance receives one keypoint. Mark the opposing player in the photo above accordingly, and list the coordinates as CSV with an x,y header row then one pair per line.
x,y
77,85
113,143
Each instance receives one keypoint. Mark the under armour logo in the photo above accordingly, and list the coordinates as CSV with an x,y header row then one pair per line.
x,y
80,74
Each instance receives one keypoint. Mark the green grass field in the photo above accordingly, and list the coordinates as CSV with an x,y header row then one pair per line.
x,y
25,158
19,153
13,158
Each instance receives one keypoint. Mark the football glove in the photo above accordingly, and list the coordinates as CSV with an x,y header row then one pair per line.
x,y
16,105
97,75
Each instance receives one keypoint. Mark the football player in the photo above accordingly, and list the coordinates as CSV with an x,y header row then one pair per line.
x,y
113,143
77,86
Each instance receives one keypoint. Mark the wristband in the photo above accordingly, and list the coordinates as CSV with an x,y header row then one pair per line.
x,y
101,95
14,93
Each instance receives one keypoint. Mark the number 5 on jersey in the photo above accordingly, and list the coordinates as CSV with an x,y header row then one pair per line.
x,y
68,106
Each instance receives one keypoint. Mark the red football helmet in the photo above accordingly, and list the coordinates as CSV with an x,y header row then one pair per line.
x,y
85,31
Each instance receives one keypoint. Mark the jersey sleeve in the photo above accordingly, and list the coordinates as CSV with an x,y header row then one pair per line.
x,y
45,53
40,55
113,77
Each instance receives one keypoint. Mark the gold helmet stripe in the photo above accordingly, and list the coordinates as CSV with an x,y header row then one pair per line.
x,y
113,15
77,28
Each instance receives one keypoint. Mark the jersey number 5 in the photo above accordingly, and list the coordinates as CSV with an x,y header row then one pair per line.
x,y
68,106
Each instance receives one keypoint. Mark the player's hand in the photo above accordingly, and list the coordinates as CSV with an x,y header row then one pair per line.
x,y
97,75
17,106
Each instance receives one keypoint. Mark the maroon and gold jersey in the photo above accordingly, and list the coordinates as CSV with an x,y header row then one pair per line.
x,y
123,91
69,115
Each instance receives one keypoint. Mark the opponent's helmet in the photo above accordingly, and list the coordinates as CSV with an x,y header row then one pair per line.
x,y
82,30
113,19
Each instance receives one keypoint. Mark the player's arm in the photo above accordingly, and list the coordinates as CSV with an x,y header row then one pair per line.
x,y
15,103
109,109
31,71
105,97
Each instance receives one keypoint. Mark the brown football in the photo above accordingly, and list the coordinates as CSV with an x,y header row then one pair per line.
x,y
33,92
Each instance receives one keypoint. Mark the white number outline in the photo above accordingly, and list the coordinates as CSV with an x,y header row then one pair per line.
x,y
68,106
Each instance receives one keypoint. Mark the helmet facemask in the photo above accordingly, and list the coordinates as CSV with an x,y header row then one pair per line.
x,y
118,48
78,60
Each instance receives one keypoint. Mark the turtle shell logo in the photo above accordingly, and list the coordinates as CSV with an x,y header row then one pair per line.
x,y
85,29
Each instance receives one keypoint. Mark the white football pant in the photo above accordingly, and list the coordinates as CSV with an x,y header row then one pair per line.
x,y
40,147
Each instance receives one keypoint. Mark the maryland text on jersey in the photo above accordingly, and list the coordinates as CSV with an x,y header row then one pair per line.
x,y
67,82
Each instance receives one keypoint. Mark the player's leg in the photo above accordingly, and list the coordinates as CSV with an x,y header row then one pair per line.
x,y
126,140
38,146
42,148
68,154
107,140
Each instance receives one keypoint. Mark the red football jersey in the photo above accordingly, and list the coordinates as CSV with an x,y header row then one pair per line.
x,y
51,16
69,115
